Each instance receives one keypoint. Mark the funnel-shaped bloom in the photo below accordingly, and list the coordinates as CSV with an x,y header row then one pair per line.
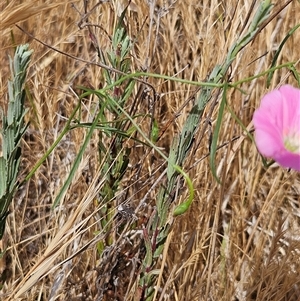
x,y
277,126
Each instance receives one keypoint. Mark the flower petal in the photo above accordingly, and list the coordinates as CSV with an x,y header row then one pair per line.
x,y
289,160
291,107
276,120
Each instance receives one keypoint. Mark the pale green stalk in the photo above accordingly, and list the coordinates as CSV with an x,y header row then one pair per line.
x,y
13,128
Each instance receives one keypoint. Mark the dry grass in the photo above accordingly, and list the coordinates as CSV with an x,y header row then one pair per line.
x,y
239,241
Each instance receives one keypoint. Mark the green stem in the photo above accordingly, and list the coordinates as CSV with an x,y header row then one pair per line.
x,y
53,146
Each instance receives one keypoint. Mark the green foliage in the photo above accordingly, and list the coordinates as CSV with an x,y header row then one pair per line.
x,y
13,128
116,155
154,131
182,145
278,51
216,134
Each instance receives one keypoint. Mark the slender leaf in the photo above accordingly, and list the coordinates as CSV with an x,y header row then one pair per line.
x,y
278,51
213,148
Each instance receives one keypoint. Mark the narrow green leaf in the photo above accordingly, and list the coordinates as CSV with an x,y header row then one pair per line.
x,y
3,177
213,148
2,223
261,14
149,254
76,162
154,131
183,207
172,158
128,92
296,74
55,143
277,53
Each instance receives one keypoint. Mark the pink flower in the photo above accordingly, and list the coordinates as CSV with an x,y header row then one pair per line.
x,y
277,126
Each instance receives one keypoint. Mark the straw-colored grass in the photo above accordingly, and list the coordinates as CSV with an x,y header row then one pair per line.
x,y
238,241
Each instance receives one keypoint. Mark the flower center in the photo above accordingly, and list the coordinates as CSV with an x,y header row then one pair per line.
x,y
292,142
